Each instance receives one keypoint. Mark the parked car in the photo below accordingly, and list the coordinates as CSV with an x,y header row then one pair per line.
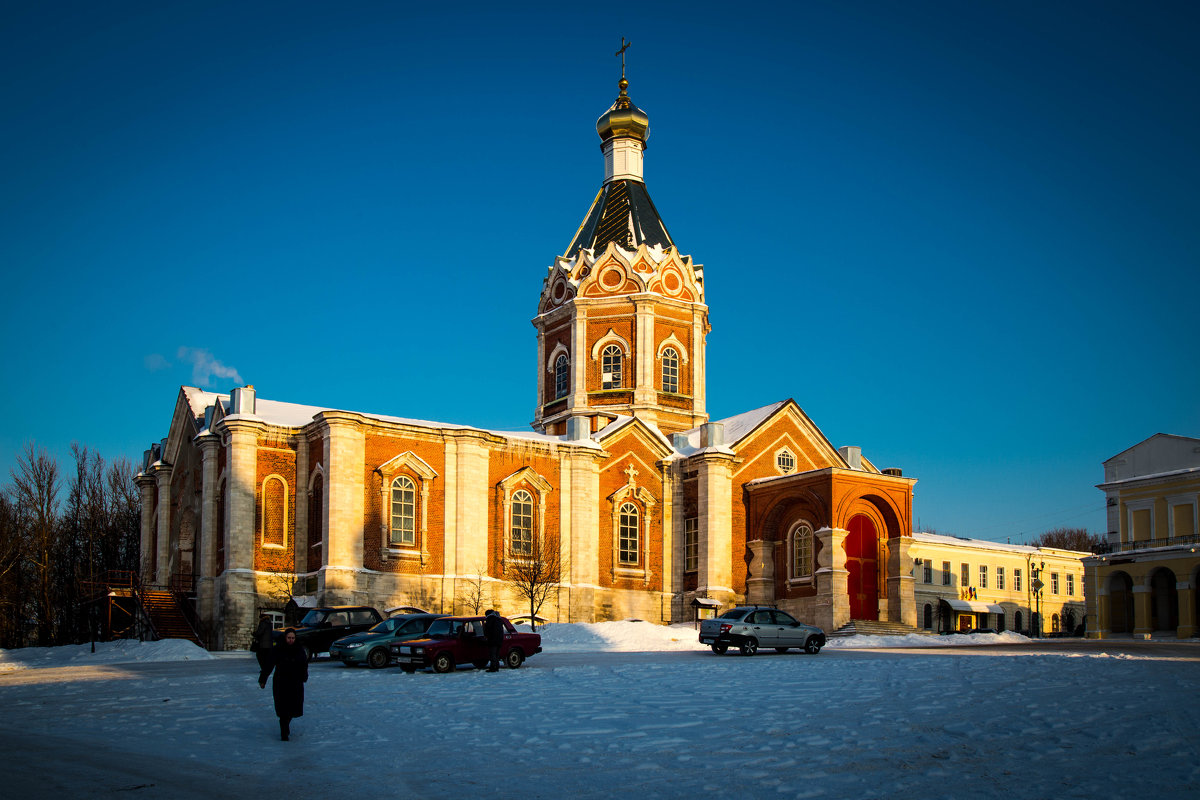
x,y
323,626
453,641
371,647
751,627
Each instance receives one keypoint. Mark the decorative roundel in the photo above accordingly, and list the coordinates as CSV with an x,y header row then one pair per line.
x,y
583,273
559,292
612,278
671,282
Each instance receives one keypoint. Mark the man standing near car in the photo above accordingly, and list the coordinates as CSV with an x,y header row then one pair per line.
x,y
493,632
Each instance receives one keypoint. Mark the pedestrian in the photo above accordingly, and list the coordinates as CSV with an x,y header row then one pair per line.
x,y
290,663
493,632
261,645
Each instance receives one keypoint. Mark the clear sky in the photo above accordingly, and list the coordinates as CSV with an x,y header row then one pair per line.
x,y
963,236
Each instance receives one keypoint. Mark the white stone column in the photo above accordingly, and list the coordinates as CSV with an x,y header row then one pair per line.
x,y
902,603
715,524
345,464
579,358
833,599
162,572
644,391
470,507
697,361
581,531
300,496
146,485
209,446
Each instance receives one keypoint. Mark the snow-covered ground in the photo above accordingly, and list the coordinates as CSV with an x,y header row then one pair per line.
x,y
615,709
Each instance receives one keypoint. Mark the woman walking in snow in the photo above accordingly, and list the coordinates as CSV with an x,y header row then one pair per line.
x,y
290,663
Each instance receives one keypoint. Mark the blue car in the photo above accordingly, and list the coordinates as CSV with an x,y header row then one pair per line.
x,y
371,647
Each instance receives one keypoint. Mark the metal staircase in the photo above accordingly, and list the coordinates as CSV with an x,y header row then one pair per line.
x,y
166,616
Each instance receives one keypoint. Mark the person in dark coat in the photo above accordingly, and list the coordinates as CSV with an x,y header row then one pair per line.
x,y
493,632
290,663
261,645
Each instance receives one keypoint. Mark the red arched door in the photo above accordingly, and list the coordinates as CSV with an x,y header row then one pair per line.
x,y
862,564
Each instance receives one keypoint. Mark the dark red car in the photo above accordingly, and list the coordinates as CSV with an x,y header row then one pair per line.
x,y
453,641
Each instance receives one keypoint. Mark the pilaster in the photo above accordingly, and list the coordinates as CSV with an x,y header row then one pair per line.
x,y
902,601
644,392
1141,612
1187,609
715,525
578,390
209,445
146,486
760,586
162,562
581,530
470,506
241,439
345,459
833,599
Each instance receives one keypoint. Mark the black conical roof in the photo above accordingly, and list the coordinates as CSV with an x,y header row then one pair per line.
x,y
623,213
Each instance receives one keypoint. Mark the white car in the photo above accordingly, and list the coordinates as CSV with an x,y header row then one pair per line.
x,y
751,627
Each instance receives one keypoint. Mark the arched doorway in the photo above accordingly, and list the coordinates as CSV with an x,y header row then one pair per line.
x,y
862,566
1120,603
1164,601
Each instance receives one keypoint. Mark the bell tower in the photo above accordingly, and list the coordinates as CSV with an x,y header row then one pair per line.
x,y
622,320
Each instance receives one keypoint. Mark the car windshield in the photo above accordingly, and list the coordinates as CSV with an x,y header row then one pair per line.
x,y
315,617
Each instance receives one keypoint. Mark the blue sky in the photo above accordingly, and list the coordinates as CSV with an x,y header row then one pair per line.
x,y
963,236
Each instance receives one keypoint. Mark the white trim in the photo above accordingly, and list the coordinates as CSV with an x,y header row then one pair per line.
x,y
1173,502
559,348
262,534
673,342
612,337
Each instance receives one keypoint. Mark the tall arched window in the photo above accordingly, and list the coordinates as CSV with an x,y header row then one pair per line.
x,y
610,365
316,522
522,523
802,552
560,376
627,542
274,512
670,370
404,512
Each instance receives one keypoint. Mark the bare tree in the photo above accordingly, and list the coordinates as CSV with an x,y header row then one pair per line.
x,y
1070,539
536,576
473,593
35,491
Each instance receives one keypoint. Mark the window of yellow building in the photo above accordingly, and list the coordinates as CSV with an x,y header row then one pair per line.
x,y
1000,578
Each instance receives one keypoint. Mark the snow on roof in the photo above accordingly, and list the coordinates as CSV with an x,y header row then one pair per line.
x,y
737,428
295,415
983,544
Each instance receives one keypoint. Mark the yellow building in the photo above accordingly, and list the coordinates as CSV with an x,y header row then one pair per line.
x,y
1146,584
961,584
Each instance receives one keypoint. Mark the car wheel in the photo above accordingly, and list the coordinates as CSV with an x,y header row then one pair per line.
x,y
811,647
749,647
378,658
514,658
479,664
408,670
720,649
781,649
443,663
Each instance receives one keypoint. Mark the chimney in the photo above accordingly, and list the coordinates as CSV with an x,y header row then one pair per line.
x,y
852,456
712,434
242,400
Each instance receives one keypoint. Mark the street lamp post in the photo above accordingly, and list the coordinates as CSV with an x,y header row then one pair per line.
x,y
1036,585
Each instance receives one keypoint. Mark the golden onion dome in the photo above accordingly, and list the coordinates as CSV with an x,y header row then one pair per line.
x,y
623,118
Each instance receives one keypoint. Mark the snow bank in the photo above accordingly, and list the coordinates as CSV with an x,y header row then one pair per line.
x,y
124,651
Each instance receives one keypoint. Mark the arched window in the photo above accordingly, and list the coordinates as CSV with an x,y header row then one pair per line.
x,y
1054,623
610,367
316,522
627,545
802,552
404,512
670,370
560,376
274,512
1017,621
522,523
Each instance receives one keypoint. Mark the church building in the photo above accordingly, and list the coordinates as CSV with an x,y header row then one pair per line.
x,y
648,508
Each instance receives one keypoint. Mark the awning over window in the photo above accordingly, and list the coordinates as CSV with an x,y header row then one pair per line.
x,y
973,606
